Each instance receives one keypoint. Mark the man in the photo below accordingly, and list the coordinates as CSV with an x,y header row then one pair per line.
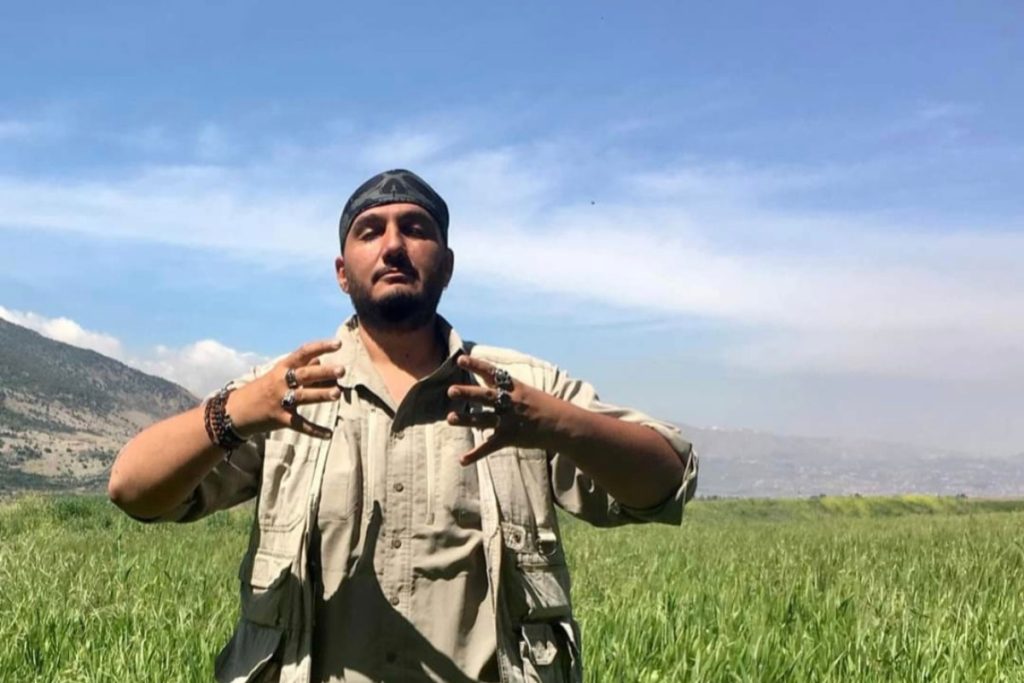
x,y
406,481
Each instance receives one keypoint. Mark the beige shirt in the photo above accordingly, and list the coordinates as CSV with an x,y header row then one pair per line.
x,y
404,594
367,560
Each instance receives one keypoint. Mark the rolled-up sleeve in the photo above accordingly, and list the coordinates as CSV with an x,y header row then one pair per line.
x,y
232,481
579,495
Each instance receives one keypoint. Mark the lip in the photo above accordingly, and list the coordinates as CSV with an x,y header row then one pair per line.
x,y
395,276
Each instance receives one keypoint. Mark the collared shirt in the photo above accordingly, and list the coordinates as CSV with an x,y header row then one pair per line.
x,y
404,592
365,560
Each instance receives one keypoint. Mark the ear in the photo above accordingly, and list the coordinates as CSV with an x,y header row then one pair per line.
x,y
449,266
339,272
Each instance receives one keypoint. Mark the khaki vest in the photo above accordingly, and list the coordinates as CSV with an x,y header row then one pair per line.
x,y
528,576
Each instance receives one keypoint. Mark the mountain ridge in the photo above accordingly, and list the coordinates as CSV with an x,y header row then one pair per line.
x,y
750,463
65,410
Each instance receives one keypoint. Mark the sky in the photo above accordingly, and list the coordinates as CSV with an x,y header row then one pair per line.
x,y
800,217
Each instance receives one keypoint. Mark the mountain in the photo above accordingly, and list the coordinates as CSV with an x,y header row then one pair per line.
x,y
746,463
65,411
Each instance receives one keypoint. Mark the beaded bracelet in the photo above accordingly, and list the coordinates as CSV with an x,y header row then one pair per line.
x,y
218,423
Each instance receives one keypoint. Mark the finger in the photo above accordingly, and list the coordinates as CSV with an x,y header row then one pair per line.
x,y
315,361
469,392
474,420
311,350
305,395
314,374
301,424
492,445
479,367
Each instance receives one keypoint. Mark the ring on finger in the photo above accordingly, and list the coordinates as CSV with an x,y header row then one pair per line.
x,y
288,402
502,379
502,401
290,379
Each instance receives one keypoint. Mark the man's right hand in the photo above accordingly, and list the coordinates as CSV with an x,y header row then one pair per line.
x,y
159,468
257,407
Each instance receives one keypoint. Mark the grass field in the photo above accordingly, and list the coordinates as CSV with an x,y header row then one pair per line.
x,y
837,589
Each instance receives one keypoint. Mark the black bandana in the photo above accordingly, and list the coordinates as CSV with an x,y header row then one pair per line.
x,y
393,187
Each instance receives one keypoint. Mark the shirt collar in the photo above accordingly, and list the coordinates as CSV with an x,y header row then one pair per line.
x,y
359,369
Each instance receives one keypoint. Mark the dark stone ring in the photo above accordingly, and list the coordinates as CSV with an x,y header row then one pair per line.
x,y
502,402
502,379
288,402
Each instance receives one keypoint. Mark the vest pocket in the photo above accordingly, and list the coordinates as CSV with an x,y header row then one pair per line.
x,y
284,488
267,588
542,655
248,655
545,591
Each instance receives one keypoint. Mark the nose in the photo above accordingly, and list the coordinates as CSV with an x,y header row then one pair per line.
x,y
394,241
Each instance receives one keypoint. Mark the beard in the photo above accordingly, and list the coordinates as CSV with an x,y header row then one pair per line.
x,y
397,311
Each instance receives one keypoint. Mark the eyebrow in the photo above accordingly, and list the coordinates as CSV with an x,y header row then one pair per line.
x,y
374,219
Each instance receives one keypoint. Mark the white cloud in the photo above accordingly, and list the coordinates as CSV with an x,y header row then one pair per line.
x,y
200,367
792,288
65,330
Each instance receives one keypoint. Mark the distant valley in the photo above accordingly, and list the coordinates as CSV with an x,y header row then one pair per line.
x,y
65,411
745,463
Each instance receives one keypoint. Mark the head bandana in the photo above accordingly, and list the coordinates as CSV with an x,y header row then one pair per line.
x,y
393,187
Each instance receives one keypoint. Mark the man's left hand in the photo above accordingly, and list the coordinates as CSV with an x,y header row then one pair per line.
x,y
530,418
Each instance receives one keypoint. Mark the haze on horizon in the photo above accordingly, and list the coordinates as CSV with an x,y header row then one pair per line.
x,y
800,219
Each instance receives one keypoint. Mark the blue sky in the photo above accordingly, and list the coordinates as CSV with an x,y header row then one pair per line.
x,y
798,218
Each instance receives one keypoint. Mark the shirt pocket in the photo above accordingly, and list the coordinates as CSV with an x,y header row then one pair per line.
x,y
453,487
342,487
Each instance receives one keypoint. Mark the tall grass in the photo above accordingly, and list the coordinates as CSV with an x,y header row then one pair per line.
x,y
864,589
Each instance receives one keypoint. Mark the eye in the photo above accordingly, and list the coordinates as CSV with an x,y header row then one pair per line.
x,y
417,228
367,233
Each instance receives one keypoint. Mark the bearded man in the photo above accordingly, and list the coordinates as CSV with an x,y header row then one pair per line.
x,y
406,480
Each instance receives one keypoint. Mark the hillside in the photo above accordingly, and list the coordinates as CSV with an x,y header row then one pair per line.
x,y
65,411
748,463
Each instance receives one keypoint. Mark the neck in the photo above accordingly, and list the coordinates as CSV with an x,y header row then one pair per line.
x,y
417,352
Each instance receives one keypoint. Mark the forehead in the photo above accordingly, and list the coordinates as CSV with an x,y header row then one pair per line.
x,y
388,211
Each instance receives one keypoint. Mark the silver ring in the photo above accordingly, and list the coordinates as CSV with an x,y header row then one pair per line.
x,y
290,379
288,402
502,402
502,379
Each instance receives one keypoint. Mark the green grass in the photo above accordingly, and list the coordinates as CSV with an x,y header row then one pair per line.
x,y
836,589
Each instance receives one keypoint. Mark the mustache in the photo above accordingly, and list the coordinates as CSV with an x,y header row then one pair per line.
x,y
403,268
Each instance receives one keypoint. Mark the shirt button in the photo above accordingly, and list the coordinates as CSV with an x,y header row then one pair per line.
x,y
394,600
397,543
399,487
390,657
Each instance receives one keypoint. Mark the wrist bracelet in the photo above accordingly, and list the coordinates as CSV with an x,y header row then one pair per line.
x,y
219,427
